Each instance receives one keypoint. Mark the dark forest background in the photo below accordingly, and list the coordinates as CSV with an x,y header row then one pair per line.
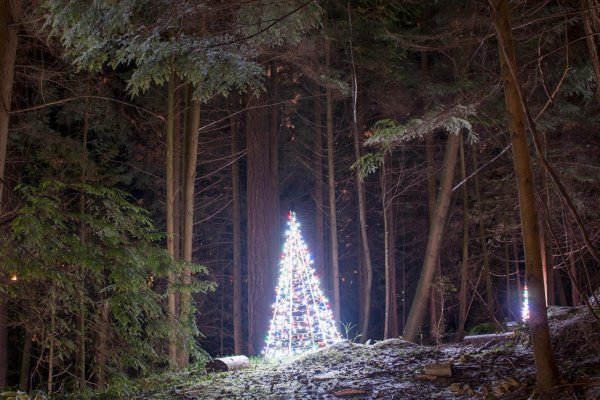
x,y
133,127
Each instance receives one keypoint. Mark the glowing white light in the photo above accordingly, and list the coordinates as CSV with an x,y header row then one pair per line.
x,y
525,306
302,320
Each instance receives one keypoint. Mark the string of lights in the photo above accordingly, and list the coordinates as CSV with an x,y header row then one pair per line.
x,y
302,320
525,305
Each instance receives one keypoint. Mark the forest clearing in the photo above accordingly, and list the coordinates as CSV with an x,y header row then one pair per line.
x,y
347,196
492,366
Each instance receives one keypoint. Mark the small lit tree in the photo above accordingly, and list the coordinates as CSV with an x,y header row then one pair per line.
x,y
302,320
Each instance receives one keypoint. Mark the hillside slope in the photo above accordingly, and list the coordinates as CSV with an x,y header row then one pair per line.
x,y
488,367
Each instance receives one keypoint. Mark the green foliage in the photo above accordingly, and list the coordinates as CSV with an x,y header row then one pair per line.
x,y
368,164
375,24
23,396
453,120
146,36
277,23
68,256
580,83
387,133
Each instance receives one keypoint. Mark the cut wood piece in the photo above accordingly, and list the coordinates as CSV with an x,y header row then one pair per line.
x,y
425,377
488,337
439,369
228,363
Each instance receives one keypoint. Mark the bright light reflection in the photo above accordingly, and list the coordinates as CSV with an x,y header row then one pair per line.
x,y
525,306
302,320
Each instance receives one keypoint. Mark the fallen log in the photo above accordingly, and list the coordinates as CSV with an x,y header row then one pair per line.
x,y
227,363
491,336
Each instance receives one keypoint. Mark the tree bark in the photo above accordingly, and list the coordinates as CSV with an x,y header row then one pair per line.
x,y
431,199
464,268
262,240
391,309
81,326
546,267
51,333
25,362
434,242
575,299
319,251
547,372
518,272
3,343
587,16
10,11
364,241
171,304
489,289
335,267
237,244
273,211
509,310
102,350
560,288
362,212
178,129
9,17
190,158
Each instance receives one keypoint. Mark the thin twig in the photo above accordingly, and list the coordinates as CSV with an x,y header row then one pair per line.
x,y
459,184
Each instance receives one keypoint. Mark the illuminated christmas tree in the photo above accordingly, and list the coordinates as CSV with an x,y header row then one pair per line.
x,y
302,320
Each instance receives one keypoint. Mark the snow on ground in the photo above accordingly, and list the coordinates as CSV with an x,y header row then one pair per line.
x,y
498,367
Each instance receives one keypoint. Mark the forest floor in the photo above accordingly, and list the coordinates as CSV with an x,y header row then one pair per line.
x,y
494,367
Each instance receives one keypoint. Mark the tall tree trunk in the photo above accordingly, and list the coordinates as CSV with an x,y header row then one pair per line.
x,y
335,267
261,226
190,158
9,17
517,262
546,267
575,299
102,349
547,372
10,11
434,242
81,328
364,240
431,199
560,288
587,9
464,268
362,212
178,129
318,250
509,310
25,362
51,334
489,289
171,304
3,342
237,240
391,309
274,216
